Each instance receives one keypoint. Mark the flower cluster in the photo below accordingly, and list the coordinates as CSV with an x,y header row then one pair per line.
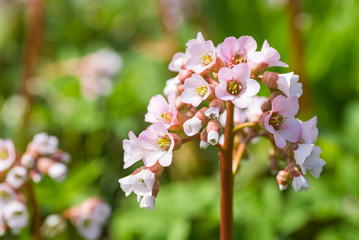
x,y
214,82
42,157
89,217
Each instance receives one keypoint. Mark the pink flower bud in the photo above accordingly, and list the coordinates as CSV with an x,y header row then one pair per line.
x,y
266,106
55,170
270,79
183,75
217,103
204,144
283,179
214,129
259,68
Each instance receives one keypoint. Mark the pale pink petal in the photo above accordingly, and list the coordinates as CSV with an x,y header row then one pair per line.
x,y
310,130
279,140
252,87
241,72
225,74
268,127
242,101
248,44
288,107
291,129
221,92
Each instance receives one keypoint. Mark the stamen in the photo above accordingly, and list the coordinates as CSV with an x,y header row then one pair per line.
x,y
164,142
207,59
202,90
4,154
165,116
234,87
238,58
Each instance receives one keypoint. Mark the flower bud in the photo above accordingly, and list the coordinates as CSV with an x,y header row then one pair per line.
x,y
266,106
204,144
259,68
300,183
61,156
270,79
214,129
157,169
183,75
55,170
28,160
35,176
177,140
283,179
261,119
192,126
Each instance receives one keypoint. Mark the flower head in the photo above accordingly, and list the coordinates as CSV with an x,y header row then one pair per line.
x,y
45,144
307,157
157,144
16,215
196,89
280,120
17,176
202,56
236,86
160,110
235,51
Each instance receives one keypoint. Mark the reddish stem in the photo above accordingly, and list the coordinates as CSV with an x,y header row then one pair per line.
x,y
36,217
225,155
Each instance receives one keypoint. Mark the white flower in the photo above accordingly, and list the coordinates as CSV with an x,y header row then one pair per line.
x,y
192,126
45,144
288,84
204,145
17,176
16,215
58,172
307,157
7,154
146,201
212,113
213,137
27,160
171,86
300,183
7,194
133,152
140,183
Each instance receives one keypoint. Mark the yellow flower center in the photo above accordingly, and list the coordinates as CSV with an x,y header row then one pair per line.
x,y
4,154
202,90
164,142
166,117
207,59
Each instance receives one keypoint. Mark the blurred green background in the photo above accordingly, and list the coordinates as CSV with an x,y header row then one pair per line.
x,y
318,39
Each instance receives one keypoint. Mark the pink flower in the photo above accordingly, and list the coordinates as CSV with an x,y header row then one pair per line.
x,y
269,56
157,144
7,154
160,110
280,120
202,56
235,51
178,62
133,152
196,89
236,86
288,84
